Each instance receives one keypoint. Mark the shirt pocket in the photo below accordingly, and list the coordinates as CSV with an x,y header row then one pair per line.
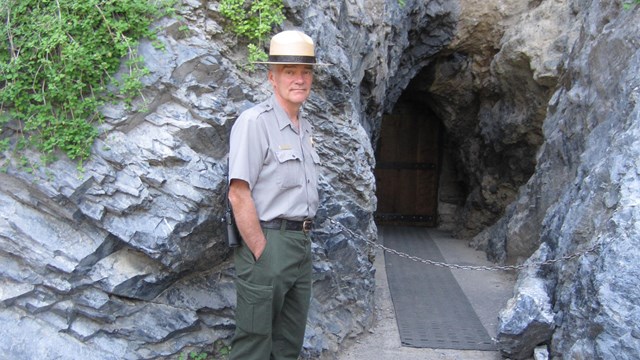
x,y
290,172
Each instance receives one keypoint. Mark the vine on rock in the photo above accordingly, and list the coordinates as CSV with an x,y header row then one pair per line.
x,y
57,58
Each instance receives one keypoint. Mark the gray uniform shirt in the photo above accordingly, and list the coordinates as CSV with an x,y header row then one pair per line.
x,y
276,160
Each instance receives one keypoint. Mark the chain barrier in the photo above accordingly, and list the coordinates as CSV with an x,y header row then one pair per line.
x,y
469,267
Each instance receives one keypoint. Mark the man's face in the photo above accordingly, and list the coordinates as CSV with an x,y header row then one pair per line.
x,y
291,83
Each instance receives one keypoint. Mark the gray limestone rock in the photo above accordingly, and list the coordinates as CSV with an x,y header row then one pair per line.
x,y
527,320
583,194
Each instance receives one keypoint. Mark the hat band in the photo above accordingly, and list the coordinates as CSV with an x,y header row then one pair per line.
x,y
295,59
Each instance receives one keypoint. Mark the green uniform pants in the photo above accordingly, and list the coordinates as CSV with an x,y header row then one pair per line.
x,y
273,297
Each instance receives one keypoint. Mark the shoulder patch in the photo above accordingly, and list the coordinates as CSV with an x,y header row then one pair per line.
x,y
255,111
265,107
262,108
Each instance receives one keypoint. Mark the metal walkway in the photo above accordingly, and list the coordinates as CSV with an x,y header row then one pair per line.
x,y
431,309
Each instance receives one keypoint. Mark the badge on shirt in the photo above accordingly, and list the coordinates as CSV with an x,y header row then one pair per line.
x,y
285,147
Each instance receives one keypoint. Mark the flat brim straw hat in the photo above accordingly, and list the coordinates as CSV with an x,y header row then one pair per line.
x,y
291,47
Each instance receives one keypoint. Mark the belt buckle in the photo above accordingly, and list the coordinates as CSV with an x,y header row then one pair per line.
x,y
307,224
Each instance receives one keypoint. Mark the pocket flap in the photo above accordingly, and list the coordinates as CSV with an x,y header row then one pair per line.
x,y
253,293
287,155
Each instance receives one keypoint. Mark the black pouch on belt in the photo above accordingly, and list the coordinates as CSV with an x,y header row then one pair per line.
x,y
232,234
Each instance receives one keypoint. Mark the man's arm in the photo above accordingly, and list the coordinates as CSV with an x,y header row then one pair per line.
x,y
244,211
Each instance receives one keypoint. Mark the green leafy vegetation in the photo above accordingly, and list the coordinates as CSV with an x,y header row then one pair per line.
x,y
219,350
253,20
194,356
629,4
57,58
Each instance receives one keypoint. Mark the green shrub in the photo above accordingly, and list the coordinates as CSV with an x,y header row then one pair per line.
x,y
56,60
253,20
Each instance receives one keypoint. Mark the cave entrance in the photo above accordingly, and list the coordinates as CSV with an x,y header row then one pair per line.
x,y
407,166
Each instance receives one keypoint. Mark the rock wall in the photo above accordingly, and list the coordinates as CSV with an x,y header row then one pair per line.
x,y
583,194
124,259
528,66
539,100
490,87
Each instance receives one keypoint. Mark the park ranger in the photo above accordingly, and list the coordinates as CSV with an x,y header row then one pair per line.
x,y
274,196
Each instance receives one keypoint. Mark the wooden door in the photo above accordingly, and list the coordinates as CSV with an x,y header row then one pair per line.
x,y
407,167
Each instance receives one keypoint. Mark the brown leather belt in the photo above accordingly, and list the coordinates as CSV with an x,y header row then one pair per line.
x,y
305,225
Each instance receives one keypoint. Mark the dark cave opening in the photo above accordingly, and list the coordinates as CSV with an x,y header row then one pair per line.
x,y
483,142
418,182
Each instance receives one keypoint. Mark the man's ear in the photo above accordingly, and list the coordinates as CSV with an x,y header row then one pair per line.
x,y
270,77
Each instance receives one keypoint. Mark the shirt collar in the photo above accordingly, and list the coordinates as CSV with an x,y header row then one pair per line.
x,y
283,118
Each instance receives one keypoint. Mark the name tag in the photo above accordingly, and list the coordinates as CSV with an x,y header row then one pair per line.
x,y
285,147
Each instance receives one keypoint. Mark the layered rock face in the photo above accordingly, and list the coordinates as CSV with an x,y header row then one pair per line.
x,y
539,100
